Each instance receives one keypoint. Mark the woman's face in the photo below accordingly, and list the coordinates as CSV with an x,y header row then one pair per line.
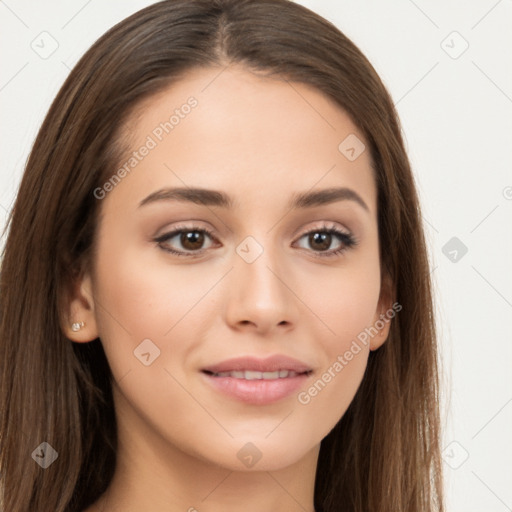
x,y
266,193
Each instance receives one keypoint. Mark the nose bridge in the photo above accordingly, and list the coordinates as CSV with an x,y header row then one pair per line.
x,y
260,294
255,261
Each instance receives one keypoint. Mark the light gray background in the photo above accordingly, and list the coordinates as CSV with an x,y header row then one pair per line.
x,y
455,104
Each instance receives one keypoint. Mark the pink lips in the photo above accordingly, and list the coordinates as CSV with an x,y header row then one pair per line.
x,y
258,391
270,364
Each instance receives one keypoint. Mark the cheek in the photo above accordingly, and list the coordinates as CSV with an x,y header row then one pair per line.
x,y
143,295
345,300
347,308
138,301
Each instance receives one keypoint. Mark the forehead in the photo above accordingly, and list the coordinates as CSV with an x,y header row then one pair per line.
x,y
245,133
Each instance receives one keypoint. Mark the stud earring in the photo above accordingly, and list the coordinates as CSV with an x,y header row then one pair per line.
x,y
76,326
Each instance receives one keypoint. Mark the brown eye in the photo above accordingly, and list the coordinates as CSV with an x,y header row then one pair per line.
x,y
320,241
186,241
192,240
327,241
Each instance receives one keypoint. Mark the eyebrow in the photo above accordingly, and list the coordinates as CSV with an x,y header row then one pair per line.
x,y
209,197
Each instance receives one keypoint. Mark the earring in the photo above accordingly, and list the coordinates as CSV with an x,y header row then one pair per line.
x,y
76,326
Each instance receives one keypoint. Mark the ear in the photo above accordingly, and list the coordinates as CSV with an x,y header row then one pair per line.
x,y
78,307
384,313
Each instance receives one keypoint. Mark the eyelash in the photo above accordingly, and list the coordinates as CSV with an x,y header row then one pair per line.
x,y
347,240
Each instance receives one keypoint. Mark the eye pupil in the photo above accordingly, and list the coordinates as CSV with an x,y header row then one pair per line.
x,y
324,239
192,239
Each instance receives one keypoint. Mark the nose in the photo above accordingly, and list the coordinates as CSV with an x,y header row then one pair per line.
x,y
261,297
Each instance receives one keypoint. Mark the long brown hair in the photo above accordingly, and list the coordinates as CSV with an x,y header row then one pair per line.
x,y
383,455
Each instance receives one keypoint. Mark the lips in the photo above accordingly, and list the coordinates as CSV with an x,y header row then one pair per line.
x,y
253,375
253,368
258,381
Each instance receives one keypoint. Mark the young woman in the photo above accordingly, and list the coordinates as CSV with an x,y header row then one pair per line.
x,y
215,291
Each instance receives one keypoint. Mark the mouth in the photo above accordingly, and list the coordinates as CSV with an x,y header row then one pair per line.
x,y
256,388
251,367
255,375
257,381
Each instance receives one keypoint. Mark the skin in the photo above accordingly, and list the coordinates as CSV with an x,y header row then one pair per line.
x,y
260,140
